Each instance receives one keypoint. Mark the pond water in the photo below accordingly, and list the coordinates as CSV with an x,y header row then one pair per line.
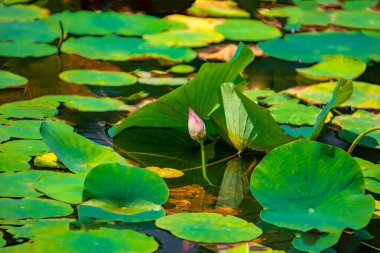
x,y
168,148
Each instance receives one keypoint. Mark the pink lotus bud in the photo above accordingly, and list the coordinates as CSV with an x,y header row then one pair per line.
x,y
197,128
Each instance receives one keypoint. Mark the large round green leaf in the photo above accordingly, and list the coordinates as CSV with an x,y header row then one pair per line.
x,y
315,243
25,147
20,12
115,48
157,81
37,108
119,192
37,31
365,95
293,47
307,185
14,162
360,19
209,227
8,79
247,30
96,77
18,185
228,9
32,208
355,124
26,49
185,38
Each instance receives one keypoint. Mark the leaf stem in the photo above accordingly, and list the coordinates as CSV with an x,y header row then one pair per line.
x,y
356,141
203,152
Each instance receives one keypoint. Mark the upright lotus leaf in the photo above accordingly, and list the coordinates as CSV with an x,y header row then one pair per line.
x,y
115,48
123,193
65,187
341,94
200,94
293,47
25,147
37,108
248,124
76,152
247,30
18,185
357,123
364,95
96,77
334,67
307,185
315,243
372,179
157,81
228,9
37,31
185,38
24,49
14,162
100,240
351,19
32,208
8,79
209,227
22,13
103,23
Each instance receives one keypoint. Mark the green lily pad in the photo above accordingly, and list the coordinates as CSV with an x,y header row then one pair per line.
x,y
228,9
103,23
96,77
76,152
364,164
123,193
358,4
252,127
33,208
355,124
23,13
277,99
255,95
164,112
14,162
293,47
361,19
100,240
372,179
26,49
37,31
157,81
115,48
247,30
334,67
4,135
365,95
314,243
182,69
185,38
48,160
25,147
3,242
65,187
307,185
209,227
17,185
36,108
8,79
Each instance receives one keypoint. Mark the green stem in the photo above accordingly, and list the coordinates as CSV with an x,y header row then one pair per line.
x,y
203,151
356,141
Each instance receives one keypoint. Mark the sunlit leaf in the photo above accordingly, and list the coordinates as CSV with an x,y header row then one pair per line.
x,y
48,160
196,23
8,79
35,108
166,172
25,147
228,9
14,162
157,81
359,19
20,12
182,69
96,77
18,185
372,179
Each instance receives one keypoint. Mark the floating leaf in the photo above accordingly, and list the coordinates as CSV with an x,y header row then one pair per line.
x,y
103,23
315,243
252,127
18,185
8,79
76,152
276,99
209,227
255,95
37,31
32,208
182,69
357,123
3,242
172,109
96,77
166,172
228,9
247,30
185,38
157,81
65,187
334,67
20,12
25,147
358,4
298,186
223,52
365,95
123,193
372,179
364,164
48,160
360,19
293,47
196,23
36,108
26,49
14,162
115,48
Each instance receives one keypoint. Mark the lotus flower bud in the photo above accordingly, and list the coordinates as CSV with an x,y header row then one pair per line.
x,y
197,128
